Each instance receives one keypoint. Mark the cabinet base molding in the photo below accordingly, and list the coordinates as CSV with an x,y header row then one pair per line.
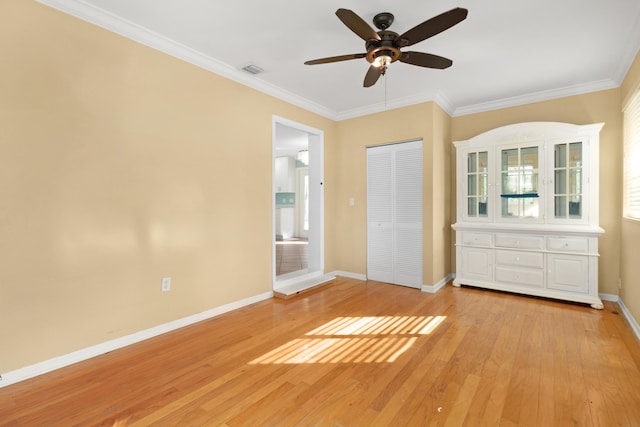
x,y
595,303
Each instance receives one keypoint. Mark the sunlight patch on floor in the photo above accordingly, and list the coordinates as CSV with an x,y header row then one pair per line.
x,y
371,339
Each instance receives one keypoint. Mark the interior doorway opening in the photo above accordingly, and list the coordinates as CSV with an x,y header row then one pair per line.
x,y
298,209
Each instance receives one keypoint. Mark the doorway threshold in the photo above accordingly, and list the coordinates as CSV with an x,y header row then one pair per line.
x,y
292,284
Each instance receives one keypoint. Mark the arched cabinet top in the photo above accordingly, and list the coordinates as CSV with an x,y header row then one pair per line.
x,y
533,131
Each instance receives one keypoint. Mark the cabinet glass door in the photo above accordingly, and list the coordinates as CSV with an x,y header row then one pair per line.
x,y
477,184
519,179
567,171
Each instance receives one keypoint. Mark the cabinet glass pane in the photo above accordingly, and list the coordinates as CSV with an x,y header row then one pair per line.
x,y
560,181
477,183
529,158
509,183
509,159
561,206
568,180
575,154
483,185
529,182
520,207
472,206
473,162
575,181
519,182
472,185
575,207
560,157
482,161
482,207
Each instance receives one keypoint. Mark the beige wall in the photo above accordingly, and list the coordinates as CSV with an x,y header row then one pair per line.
x,y
120,165
594,107
443,197
630,236
425,121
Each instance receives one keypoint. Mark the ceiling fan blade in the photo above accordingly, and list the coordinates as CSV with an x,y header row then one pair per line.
x,y
372,76
357,24
433,26
425,60
335,59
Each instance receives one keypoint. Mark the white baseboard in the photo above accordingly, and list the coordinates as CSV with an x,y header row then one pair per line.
x,y
40,368
349,275
635,327
435,288
632,322
609,297
425,288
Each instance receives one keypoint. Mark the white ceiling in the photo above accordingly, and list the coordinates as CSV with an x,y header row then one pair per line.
x,y
506,52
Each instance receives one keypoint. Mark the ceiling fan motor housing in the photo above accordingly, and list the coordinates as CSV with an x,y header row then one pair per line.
x,y
385,46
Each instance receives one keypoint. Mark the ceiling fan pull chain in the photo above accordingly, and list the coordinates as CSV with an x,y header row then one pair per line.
x,y
385,91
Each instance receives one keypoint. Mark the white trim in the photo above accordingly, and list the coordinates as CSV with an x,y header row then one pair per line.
x,y
609,297
299,286
435,288
349,275
109,21
438,98
632,322
530,98
40,368
316,232
624,64
102,18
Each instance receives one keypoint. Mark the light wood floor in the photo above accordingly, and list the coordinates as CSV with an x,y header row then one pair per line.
x,y
359,354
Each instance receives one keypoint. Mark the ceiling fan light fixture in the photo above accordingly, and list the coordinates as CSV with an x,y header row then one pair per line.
x,y
382,60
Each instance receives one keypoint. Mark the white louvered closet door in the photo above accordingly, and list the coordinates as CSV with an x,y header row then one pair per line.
x,y
394,213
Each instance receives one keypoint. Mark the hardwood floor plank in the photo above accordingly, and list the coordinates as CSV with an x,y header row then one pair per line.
x,y
460,408
358,353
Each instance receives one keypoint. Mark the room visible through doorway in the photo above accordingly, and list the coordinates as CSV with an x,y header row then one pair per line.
x,y
298,212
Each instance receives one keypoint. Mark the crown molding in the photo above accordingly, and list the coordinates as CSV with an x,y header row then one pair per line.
x,y
109,21
530,98
630,53
439,98
104,19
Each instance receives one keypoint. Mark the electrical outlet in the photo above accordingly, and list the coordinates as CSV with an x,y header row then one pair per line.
x,y
166,284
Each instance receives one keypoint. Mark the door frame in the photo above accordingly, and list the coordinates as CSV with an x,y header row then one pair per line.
x,y
316,198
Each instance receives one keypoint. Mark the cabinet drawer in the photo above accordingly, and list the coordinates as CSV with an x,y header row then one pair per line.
x,y
476,239
519,242
518,277
520,259
568,244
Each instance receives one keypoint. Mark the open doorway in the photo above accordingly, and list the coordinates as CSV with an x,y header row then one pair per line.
x,y
298,209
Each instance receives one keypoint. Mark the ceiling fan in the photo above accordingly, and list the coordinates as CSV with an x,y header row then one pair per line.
x,y
384,46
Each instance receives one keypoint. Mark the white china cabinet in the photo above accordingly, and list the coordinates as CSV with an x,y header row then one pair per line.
x,y
527,210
